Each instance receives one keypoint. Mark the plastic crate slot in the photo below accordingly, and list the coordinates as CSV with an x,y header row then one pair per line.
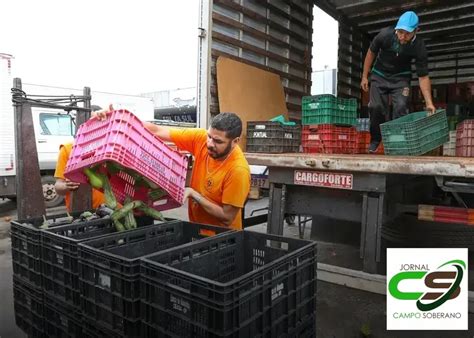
x,y
87,155
104,280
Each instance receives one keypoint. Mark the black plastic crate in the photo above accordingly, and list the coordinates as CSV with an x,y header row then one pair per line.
x,y
110,271
241,284
60,257
60,321
91,329
28,307
26,246
272,137
306,328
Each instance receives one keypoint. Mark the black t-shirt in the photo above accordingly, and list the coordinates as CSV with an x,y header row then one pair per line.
x,y
394,59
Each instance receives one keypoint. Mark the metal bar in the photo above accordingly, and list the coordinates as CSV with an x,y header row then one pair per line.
x,y
257,50
53,105
453,76
459,199
452,52
434,68
380,214
363,226
407,165
254,220
286,15
262,19
81,199
393,12
30,201
276,212
426,19
371,234
204,61
219,18
466,187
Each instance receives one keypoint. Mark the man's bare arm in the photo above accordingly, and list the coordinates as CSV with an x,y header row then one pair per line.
x,y
425,86
161,131
226,214
369,60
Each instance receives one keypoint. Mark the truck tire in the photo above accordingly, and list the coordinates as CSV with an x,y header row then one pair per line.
x,y
51,197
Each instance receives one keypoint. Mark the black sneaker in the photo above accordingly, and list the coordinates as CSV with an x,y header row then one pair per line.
x,y
373,146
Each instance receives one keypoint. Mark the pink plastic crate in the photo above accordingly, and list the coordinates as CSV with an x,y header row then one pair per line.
x,y
465,139
122,138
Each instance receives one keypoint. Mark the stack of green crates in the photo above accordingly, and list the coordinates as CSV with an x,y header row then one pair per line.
x,y
328,109
415,134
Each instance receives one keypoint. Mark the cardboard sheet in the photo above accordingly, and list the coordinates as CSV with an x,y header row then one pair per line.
x,y
252,93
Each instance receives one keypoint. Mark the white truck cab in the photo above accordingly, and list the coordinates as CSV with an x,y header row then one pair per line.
x,y
52,127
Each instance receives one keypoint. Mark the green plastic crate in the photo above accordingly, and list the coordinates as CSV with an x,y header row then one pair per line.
x,y
415,134
328,109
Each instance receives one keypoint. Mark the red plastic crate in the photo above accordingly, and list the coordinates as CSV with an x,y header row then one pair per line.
x,y
122,138
363,142
380,150
329,139
465,139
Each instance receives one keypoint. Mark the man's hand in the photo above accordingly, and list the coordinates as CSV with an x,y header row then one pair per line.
x,y
364,84
190,193
70,185
101,115
63,186
430,108
193,194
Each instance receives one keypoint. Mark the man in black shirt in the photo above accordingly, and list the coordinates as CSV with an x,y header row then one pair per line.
x,y
393,51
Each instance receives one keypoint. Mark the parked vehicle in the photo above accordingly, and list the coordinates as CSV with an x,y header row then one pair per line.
x,y
52,127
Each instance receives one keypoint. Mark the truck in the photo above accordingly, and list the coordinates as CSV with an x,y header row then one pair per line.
x,y
52,127
276,36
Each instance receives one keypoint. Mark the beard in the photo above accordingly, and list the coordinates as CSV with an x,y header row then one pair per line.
x,y
217,156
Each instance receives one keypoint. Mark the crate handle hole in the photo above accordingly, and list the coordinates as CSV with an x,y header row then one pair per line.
x,y
277,244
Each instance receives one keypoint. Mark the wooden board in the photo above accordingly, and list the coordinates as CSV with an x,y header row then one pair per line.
x,y
252,93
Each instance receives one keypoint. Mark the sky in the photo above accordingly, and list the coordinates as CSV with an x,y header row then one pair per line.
x,y
325,35
119,46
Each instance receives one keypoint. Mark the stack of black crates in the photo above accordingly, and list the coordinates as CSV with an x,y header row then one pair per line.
x,y
272,137
81,278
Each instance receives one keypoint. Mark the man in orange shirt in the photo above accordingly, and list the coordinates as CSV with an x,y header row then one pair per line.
x,y
220,181
64,186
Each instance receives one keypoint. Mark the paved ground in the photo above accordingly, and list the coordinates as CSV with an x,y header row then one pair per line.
x,y
341,311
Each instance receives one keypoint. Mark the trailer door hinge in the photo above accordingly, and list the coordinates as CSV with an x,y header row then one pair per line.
x,y
202,32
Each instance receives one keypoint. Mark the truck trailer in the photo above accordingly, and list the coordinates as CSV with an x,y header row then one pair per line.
x,y
276,36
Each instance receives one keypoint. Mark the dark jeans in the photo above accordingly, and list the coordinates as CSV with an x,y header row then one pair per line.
x,y
380,89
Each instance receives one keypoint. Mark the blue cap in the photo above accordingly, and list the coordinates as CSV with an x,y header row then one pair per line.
x,y
408,21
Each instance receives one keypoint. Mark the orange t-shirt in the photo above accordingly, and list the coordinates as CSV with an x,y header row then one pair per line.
x,y
222,182
64,152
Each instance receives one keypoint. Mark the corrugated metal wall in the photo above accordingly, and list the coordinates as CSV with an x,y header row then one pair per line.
x,y
353,45
273,35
